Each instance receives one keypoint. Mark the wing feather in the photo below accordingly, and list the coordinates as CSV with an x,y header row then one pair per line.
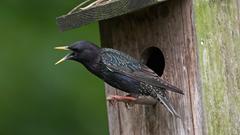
x,y
124,64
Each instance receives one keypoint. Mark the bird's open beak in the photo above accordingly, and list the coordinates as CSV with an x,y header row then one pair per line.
x,y
64,58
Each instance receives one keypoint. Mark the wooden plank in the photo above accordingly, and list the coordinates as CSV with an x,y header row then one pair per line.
x,y
218,34
168,26
104,11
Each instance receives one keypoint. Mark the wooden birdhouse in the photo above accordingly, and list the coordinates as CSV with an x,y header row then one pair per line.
x,y
194,45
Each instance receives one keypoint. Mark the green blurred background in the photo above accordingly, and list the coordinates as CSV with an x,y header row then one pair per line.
x,y
37,97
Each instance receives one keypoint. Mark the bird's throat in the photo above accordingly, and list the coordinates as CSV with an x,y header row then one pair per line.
x,y
93,66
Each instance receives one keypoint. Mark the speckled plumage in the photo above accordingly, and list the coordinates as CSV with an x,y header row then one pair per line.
x,y
123,72
122,63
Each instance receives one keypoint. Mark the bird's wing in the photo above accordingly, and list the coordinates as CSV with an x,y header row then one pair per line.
x,y
120,62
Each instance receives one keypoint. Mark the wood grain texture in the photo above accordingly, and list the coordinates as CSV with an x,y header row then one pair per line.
x,y
168,26
104,11
218,33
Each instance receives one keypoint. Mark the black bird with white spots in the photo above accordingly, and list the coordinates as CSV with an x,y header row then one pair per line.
x,y
121,71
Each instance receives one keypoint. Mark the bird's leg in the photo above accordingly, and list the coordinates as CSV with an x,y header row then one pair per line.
x,y
120,98
132,95
129,105
126,99
129,99
133,99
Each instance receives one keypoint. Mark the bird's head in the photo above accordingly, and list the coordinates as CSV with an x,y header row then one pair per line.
x,y
82,51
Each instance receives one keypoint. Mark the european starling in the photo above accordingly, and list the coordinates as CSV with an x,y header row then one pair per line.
x,y
121,71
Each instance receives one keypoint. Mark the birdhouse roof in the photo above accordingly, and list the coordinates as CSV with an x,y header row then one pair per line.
x,y
98,10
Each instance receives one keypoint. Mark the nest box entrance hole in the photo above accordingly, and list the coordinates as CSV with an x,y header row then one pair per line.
x,y
154,59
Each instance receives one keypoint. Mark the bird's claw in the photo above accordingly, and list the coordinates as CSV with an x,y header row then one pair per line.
x,y
120,98
126,99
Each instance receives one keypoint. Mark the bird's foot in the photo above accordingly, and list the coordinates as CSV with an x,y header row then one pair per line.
x,y
132,99
121,98
126,99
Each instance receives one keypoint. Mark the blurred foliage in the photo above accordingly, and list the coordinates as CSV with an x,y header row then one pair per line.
x,y
37,97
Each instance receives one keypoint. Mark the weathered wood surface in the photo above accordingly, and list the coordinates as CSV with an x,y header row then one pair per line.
x,y
218,34
104,11
168,26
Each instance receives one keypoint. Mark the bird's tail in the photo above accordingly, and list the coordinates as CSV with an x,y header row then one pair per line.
x,y
167,104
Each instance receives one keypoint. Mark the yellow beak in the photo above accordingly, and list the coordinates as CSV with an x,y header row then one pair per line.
x,y
62,48
64,58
